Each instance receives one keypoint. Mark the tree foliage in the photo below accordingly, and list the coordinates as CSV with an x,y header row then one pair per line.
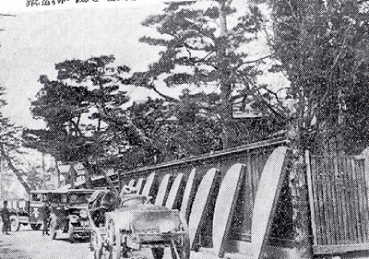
x,y
322,49
205,47
11,145
79,109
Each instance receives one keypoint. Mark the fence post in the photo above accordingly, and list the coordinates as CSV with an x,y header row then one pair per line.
x,y
366,170
311,196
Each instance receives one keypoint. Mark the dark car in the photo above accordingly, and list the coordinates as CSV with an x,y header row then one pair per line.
x,y
69,213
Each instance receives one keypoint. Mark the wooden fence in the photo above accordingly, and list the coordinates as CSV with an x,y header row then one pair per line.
x,y
338,191
254,156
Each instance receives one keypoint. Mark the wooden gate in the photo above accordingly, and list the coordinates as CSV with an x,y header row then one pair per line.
x,y
339,203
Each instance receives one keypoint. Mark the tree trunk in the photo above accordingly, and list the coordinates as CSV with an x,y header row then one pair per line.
x,y
17,172
299,195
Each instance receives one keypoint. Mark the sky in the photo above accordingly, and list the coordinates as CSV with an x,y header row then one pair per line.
x,y
38,37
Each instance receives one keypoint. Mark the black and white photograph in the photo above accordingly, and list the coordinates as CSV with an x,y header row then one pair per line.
x,y
182,129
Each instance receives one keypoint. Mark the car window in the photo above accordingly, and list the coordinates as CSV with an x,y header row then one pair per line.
x,y
78,198
134,201
36,197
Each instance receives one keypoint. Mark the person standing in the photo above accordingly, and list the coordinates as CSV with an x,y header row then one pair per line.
x,y
46,219
5,216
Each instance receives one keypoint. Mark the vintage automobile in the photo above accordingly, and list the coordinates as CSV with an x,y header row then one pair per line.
x,y
19,213
38,199
69,213
134,224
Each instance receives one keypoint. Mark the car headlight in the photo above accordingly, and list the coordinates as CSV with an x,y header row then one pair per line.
x,y
83,214
73,219
167,226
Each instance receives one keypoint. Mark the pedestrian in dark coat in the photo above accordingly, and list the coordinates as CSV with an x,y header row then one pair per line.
x,y
46,219
5,217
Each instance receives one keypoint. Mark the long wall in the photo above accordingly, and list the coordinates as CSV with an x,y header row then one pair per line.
x,y
254,156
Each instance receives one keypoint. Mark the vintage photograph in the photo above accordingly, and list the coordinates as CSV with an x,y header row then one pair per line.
x,y
184,129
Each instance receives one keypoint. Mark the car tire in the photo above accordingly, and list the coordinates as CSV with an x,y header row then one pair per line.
x,y
157,252
14,223
71,233
53,225
35,226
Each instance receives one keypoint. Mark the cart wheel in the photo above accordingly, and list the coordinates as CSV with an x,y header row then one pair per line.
x,y
113,237
180,249
96,245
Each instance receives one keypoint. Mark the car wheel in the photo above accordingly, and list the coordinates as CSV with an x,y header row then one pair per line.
x,y
35,226
53,225
71,233
14,223
180,249
157,252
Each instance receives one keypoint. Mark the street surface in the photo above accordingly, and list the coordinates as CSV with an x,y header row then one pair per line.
x,y
29,244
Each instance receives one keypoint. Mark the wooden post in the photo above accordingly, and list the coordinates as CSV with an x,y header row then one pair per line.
x,y
311,196
72,174
366,170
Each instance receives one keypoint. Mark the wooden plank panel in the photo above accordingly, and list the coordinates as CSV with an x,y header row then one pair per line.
x,y
265,201
327,201
358,200
339,249
318,194
352,197
341,198
333,202
338,203
364,210
312,199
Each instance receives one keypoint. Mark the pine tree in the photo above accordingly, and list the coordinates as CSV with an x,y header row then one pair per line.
x,y
78,108
205,47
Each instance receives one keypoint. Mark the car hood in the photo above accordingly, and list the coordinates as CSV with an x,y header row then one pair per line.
x,y
144,218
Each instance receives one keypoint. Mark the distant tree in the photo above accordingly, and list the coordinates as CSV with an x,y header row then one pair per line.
x,y
11,145
78,109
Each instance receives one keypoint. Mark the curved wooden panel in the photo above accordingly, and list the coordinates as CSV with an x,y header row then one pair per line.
x,y
269,188
149,184
132,183
174,193
201,203
139,185
163,190
188,194
225,205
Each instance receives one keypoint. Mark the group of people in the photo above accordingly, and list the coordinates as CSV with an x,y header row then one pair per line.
x,y
5,217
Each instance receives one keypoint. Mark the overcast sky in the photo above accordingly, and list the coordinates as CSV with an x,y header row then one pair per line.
x,y
38,37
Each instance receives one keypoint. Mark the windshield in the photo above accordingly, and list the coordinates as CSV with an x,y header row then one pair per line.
x,y
39,197
78,198
134,201
58,198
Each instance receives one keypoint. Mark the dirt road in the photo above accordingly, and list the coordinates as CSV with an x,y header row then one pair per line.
x,y
27,244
